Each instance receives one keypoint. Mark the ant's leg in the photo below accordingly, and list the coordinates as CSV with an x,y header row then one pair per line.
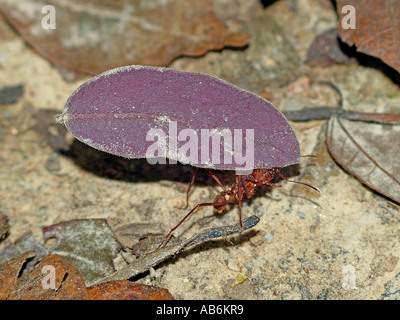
x,y
205,204
240,193
240,213
192,183
216,179
190,186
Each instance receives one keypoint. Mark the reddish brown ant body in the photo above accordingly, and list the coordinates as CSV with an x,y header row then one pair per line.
x,y
245,186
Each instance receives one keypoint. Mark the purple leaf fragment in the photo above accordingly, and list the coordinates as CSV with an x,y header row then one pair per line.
x,y
120,110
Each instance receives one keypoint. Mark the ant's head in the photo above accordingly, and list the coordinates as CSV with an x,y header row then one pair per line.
x,y
264,175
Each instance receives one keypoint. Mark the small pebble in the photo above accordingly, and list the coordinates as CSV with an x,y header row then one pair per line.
x,y
53,163
269,237
301,214
9,95
258,239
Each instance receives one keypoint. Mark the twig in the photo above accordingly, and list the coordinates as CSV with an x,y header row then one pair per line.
x,y
146,262
324,113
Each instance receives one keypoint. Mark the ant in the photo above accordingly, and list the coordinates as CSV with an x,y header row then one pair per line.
x,y
245,186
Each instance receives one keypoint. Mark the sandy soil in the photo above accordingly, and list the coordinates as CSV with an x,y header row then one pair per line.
x,y
341,244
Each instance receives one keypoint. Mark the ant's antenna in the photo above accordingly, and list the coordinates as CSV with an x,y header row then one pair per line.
x,y
309,156
298,182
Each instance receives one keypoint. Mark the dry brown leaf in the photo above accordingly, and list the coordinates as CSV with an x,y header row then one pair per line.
x,y
4,226
369,151
150,243
377,31
69,285
144,263
130,233
126,290
27,242
325,50
321,113
94,36
17,282
6,31
9,273
382,264
29,285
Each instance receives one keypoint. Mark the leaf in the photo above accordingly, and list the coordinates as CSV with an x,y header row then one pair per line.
x,y
368,151
129,234
22,277
9,273
382,264
16,283
115,111
94,36
126,290
19,283
4,226
325,50
88,244
322,113
377,31
6,31
271,61
27,242
151,259
150,243
34,285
